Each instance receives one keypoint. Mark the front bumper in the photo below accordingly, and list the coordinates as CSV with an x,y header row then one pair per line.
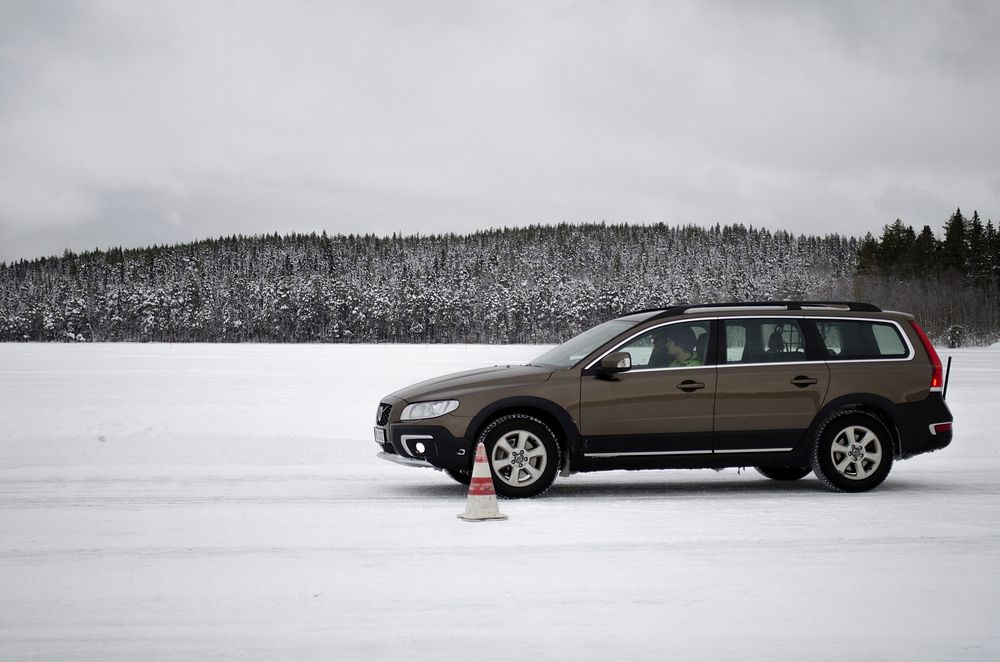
x,y
405,461
422,446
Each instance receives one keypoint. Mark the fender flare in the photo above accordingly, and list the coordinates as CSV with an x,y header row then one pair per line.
x,y
571,432
891,410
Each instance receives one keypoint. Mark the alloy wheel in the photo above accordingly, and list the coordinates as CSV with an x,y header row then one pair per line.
x,y
856,452
519,458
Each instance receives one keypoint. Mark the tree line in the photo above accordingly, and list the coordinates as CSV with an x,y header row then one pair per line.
x,y
538,284
949,284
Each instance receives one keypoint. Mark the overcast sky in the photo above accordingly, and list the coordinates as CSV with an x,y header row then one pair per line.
x,y
137,122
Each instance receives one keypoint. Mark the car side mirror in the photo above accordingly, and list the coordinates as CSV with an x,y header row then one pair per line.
x,y
615,362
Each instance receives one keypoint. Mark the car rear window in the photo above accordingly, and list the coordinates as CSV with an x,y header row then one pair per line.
x,y
861,339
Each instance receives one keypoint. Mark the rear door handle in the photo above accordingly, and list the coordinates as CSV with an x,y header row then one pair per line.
x,y
802,381
690,386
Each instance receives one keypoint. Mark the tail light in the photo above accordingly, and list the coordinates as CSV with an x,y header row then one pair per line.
x,y
937,375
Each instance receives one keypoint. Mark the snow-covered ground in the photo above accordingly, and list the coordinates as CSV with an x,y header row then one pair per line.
x,y
199,502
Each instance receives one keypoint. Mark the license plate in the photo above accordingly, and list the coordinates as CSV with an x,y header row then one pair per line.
x,y
380,435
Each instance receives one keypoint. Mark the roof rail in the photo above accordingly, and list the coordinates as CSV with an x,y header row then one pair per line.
x,y
855,306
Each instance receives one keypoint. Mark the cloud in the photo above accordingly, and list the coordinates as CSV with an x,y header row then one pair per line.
x,y
119,119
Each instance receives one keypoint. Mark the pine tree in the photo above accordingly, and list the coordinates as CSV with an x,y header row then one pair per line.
x,y
925,248
894,253
954,248
977,252
868,254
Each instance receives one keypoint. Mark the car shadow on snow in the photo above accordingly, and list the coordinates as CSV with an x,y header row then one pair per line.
x,y
730,485
722,487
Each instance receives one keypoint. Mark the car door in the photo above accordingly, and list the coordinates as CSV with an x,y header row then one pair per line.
x,y
659,406
771,384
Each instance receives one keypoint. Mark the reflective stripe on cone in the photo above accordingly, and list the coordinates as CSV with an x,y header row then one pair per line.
x,y
481,487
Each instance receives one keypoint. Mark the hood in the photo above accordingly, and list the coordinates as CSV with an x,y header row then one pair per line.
x,y
470,381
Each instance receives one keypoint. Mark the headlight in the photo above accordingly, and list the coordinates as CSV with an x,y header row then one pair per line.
x,y
434,409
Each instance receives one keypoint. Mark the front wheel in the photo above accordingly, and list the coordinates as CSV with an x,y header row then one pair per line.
x,y
523,454
459,476
852,452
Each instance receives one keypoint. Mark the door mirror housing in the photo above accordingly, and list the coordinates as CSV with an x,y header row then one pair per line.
x,y
615,362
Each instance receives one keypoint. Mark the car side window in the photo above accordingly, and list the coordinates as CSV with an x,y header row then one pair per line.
x,y
763,341
684,344
861,339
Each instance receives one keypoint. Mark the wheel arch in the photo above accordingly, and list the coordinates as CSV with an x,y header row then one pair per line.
x,y
882,409
545,410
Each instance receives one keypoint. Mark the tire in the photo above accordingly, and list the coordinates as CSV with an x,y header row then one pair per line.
x,y
461,477
523,454
852,452
784,473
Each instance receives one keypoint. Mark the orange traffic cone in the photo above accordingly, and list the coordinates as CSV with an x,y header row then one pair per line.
x,y
482,501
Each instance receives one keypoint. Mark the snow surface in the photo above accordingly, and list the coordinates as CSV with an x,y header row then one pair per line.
x,y
224,501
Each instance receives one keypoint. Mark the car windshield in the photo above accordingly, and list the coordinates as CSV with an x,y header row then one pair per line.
x,y
576,349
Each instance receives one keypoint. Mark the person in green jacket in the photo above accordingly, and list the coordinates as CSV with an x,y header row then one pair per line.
x,y
680,343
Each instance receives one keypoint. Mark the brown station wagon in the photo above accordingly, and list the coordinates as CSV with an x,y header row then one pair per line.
x,y
838,389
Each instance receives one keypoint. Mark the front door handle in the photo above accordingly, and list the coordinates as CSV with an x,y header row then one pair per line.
x,y
802,381
690,386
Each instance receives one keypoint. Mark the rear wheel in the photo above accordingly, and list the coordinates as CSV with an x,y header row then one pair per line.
x,y
784,473
852,452
523,454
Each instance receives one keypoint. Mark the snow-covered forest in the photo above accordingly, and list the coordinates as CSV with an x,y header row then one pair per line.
x,y
536,284
539,284
951,285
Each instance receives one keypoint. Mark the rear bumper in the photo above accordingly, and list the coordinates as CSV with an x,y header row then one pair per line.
x,y
923,431
927,443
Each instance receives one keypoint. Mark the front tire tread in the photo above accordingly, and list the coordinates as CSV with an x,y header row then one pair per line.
x,y
492,432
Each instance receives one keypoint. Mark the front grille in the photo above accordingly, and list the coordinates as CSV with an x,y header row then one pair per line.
x,y
382,417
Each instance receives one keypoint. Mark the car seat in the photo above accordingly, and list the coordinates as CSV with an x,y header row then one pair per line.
x,y
700,347
776,343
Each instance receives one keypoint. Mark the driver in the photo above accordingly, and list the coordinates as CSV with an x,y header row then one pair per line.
x,y
679,342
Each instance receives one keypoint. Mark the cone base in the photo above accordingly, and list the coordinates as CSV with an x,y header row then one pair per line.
x,y
480,518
